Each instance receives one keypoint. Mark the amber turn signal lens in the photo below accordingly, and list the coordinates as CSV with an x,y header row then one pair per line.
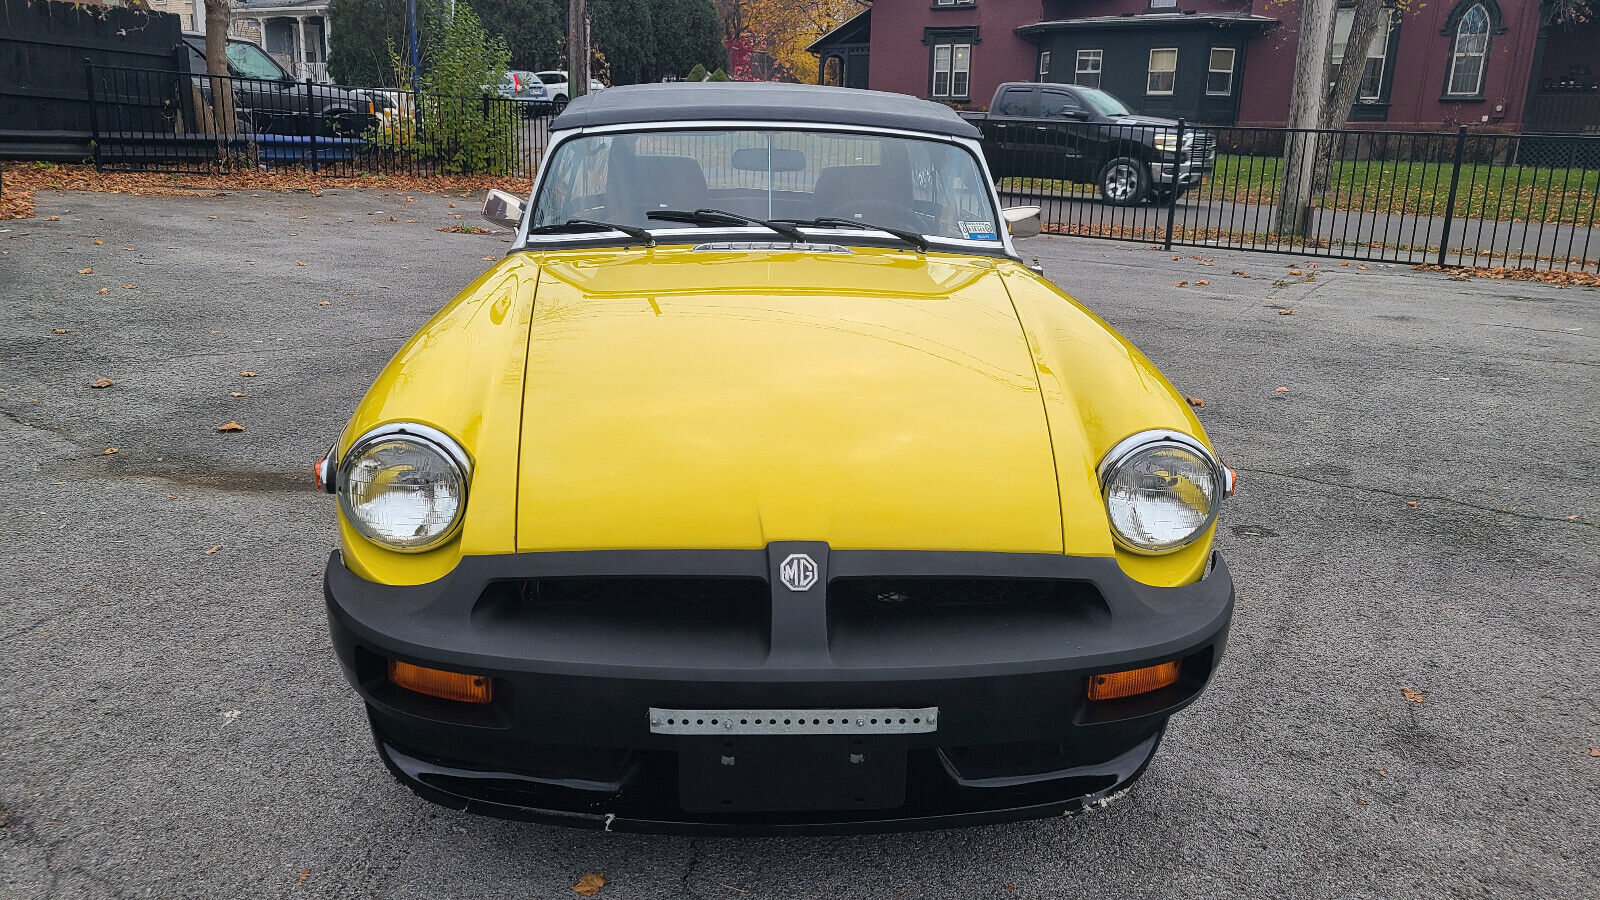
x,y
1116,685
439,683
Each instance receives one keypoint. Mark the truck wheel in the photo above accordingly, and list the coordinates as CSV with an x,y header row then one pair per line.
x,y
1124,181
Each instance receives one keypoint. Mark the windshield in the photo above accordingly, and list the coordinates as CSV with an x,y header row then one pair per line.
x,y
251,61
929,187
1104,103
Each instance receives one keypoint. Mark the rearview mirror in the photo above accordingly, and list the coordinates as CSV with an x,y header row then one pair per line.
x,y
503,209
1021,221
755,159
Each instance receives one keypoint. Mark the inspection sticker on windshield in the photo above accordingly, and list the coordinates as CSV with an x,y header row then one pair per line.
x,y
978,231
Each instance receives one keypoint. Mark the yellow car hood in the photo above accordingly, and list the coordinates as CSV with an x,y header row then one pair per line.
x,y
695,399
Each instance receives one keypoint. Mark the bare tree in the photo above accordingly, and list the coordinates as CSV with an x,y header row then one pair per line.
x,y
1307,102
222,112
1368,18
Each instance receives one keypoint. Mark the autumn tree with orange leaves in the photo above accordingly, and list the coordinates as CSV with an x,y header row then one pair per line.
x,y
783,28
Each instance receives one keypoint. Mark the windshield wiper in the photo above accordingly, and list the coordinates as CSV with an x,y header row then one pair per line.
x,y
723,217
910,237
592,225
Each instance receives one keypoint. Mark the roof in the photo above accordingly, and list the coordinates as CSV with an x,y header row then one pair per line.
x,y
865,15
760,101
1153,20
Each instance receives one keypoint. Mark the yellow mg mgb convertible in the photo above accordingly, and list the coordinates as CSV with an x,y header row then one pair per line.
x,y
763,487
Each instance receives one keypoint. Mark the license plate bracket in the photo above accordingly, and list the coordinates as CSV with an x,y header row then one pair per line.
x,y
789,773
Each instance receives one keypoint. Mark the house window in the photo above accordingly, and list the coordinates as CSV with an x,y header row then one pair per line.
x,y
1088,73
952,67
1044,64
955,2
1163,4
1469,49
1219,77
1163,72
1371,90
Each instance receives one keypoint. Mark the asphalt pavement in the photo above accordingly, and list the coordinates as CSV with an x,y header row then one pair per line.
x,y
1408,707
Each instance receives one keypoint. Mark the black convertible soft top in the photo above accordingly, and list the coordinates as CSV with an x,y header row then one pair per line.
x,y
760,101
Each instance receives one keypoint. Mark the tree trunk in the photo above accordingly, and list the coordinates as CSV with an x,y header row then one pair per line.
x,y
1306,105
222,115
577,48
1366,23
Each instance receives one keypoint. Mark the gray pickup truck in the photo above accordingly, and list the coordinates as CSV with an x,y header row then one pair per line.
x,y
1066,132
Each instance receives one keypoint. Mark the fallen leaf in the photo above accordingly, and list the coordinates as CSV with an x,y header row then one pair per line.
x,y
1281,390
1296,272
230,426
108,451
211,550
411,220
128,287
127,248
1345,263
53,219
393,219
58,331
1411,695
298,263
235,394
1411,503
1202,282
211,217
1361,265
98,243
304,874
1196,402
452,206
247,374
102,383
589,884
1572,518
1383,773
349,293
1594,751
1285,312
88,271
1239,272
1180,284
324,302
103,291
302,217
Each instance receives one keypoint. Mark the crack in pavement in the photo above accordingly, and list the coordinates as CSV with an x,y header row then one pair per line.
x,y
1410,496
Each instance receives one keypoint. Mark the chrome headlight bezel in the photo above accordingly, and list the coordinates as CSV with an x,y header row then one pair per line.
x,y
426,438
1133,445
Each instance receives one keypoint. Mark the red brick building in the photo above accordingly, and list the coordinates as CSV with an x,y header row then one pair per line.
x,y
1496,63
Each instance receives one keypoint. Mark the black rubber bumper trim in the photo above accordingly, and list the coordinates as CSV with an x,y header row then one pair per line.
x,y
1125,769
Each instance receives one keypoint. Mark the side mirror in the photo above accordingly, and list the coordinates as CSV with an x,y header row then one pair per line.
x,y
503,209
1021,221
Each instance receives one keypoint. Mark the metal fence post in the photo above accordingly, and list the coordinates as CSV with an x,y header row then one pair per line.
x,y
1177,182
94,115
311,117
1455,182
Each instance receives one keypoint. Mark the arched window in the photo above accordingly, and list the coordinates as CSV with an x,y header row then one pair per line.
x,y
1469,49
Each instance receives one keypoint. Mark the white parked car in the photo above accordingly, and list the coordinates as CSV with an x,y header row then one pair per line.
x,y
555,84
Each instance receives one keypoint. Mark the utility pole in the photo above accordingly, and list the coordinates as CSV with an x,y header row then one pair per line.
x,y
413,53
577,48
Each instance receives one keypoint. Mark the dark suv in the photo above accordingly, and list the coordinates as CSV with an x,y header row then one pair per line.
x,y
268,101
1067,132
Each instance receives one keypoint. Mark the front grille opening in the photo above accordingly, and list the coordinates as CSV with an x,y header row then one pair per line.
x,y
628,618
913,596
956,620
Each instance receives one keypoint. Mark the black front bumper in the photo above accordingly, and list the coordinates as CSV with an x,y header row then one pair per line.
x,y
568,737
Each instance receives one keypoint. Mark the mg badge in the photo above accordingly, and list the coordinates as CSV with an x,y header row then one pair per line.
x,y
798,572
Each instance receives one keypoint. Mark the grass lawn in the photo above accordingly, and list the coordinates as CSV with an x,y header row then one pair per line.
x,y
1507,193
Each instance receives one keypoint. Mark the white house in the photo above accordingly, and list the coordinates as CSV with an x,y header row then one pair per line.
x,y
293,32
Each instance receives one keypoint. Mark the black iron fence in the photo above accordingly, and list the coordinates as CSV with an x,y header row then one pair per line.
x,y
153,120
1459,198
1450,198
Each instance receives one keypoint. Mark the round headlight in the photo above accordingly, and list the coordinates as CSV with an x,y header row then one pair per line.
x,y
1161,489
404,486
